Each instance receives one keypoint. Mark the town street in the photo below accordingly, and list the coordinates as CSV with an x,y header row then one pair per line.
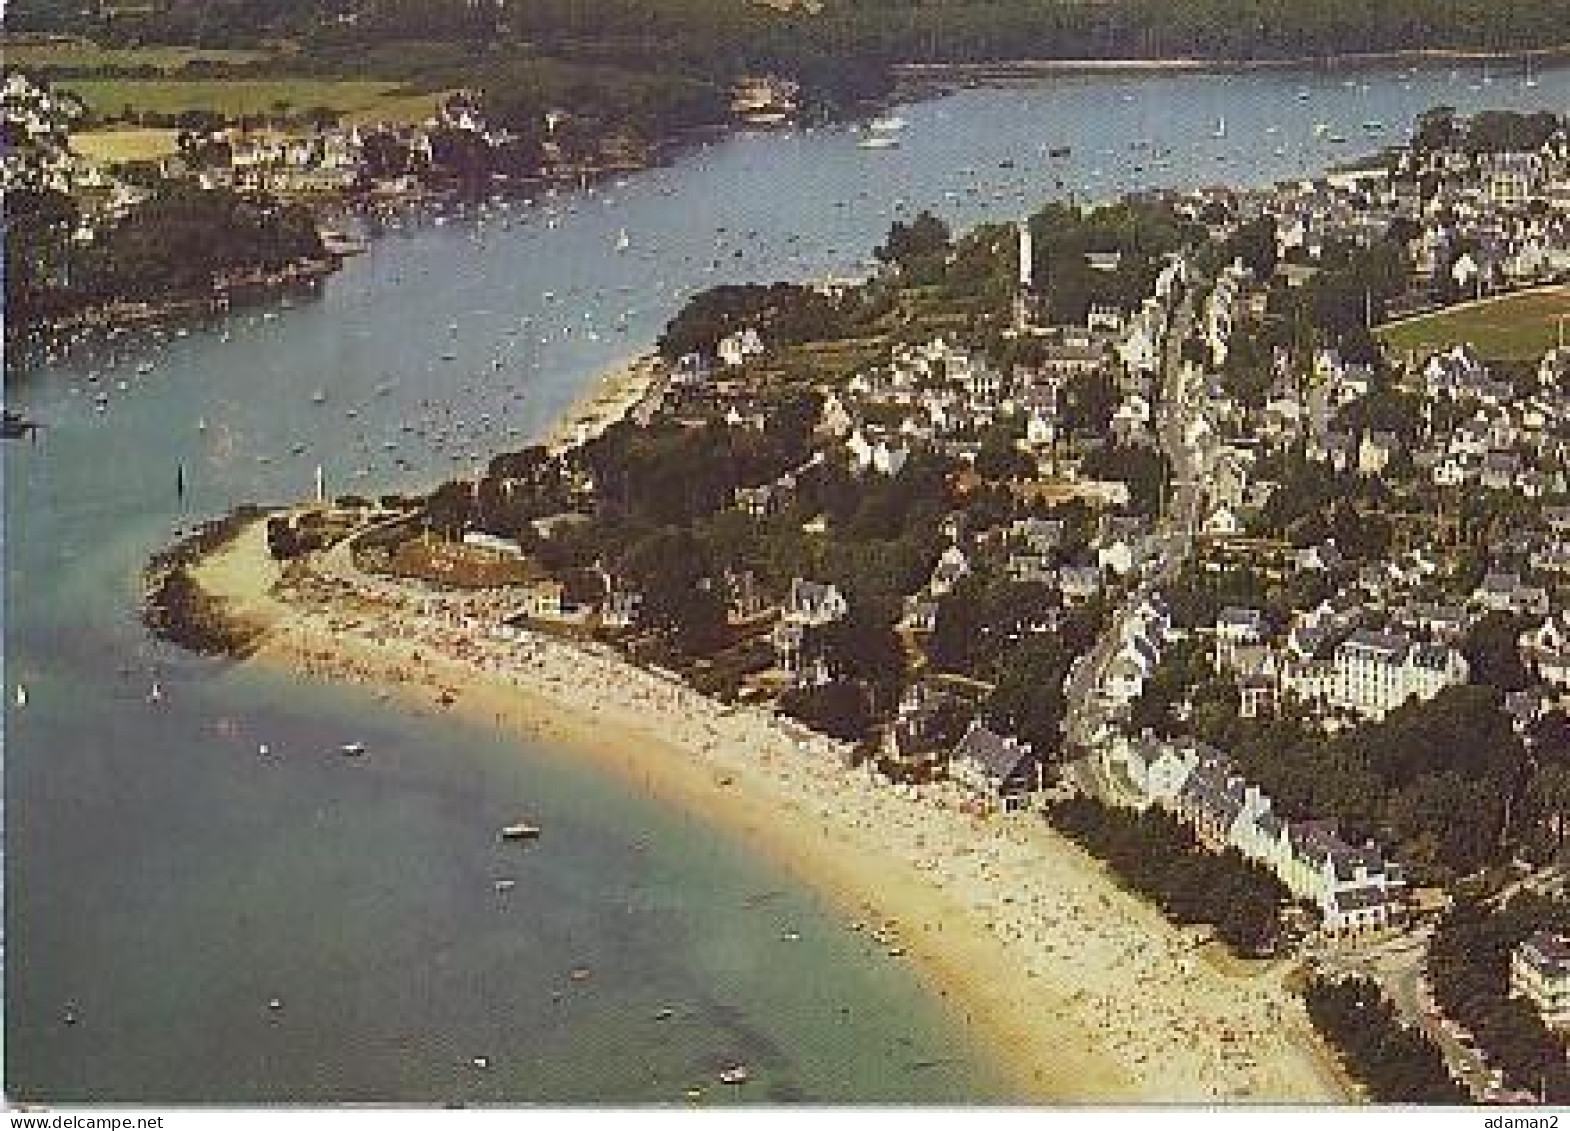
x,y
1176,415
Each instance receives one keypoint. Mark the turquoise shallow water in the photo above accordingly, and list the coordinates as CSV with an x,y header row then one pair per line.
x,y
361,894
169,882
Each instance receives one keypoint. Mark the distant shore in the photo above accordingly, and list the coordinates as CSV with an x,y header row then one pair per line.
x,y
1025,69
302,274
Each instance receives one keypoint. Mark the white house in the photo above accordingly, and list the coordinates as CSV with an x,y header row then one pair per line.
x,y
1540,973
1223,522
735,349
812,604
1547,649
1355,889
501,547
1236,627
1134,663
951,568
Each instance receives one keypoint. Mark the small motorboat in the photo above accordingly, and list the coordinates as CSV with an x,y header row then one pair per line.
x,y
665,1014
506,885
521,831
736,1074
352,749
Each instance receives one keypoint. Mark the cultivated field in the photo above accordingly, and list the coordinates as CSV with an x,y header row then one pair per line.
x,y
1519,327
39,52
111,147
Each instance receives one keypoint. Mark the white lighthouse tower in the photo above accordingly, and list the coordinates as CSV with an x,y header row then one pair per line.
x,y
1026,277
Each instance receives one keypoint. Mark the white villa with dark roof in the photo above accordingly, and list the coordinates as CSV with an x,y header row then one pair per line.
x,y
813,604
999,768
1237,628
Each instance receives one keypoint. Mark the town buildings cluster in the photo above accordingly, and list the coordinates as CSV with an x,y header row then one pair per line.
x,y
1381,630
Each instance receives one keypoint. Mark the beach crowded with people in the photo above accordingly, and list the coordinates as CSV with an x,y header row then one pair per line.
x,y
1085,991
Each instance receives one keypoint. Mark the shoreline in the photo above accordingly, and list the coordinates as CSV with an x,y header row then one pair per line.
x,y
922,79
610,397
1075,989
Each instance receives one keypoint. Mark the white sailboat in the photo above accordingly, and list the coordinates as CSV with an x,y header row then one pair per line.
x,y
21,695
1221,128
622,242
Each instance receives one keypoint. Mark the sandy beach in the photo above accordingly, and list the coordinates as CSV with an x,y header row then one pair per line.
x,y
1086,992
611,397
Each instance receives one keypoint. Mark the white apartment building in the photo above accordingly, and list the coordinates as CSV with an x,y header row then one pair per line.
x,y
1371,673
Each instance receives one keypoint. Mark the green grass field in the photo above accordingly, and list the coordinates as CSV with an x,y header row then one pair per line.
x,y
84,53
356,99
1519,327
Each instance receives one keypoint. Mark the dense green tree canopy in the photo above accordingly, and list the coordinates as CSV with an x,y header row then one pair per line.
x,y
179,242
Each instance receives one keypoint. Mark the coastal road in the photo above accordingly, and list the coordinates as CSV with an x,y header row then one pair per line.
x,y
1398,965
